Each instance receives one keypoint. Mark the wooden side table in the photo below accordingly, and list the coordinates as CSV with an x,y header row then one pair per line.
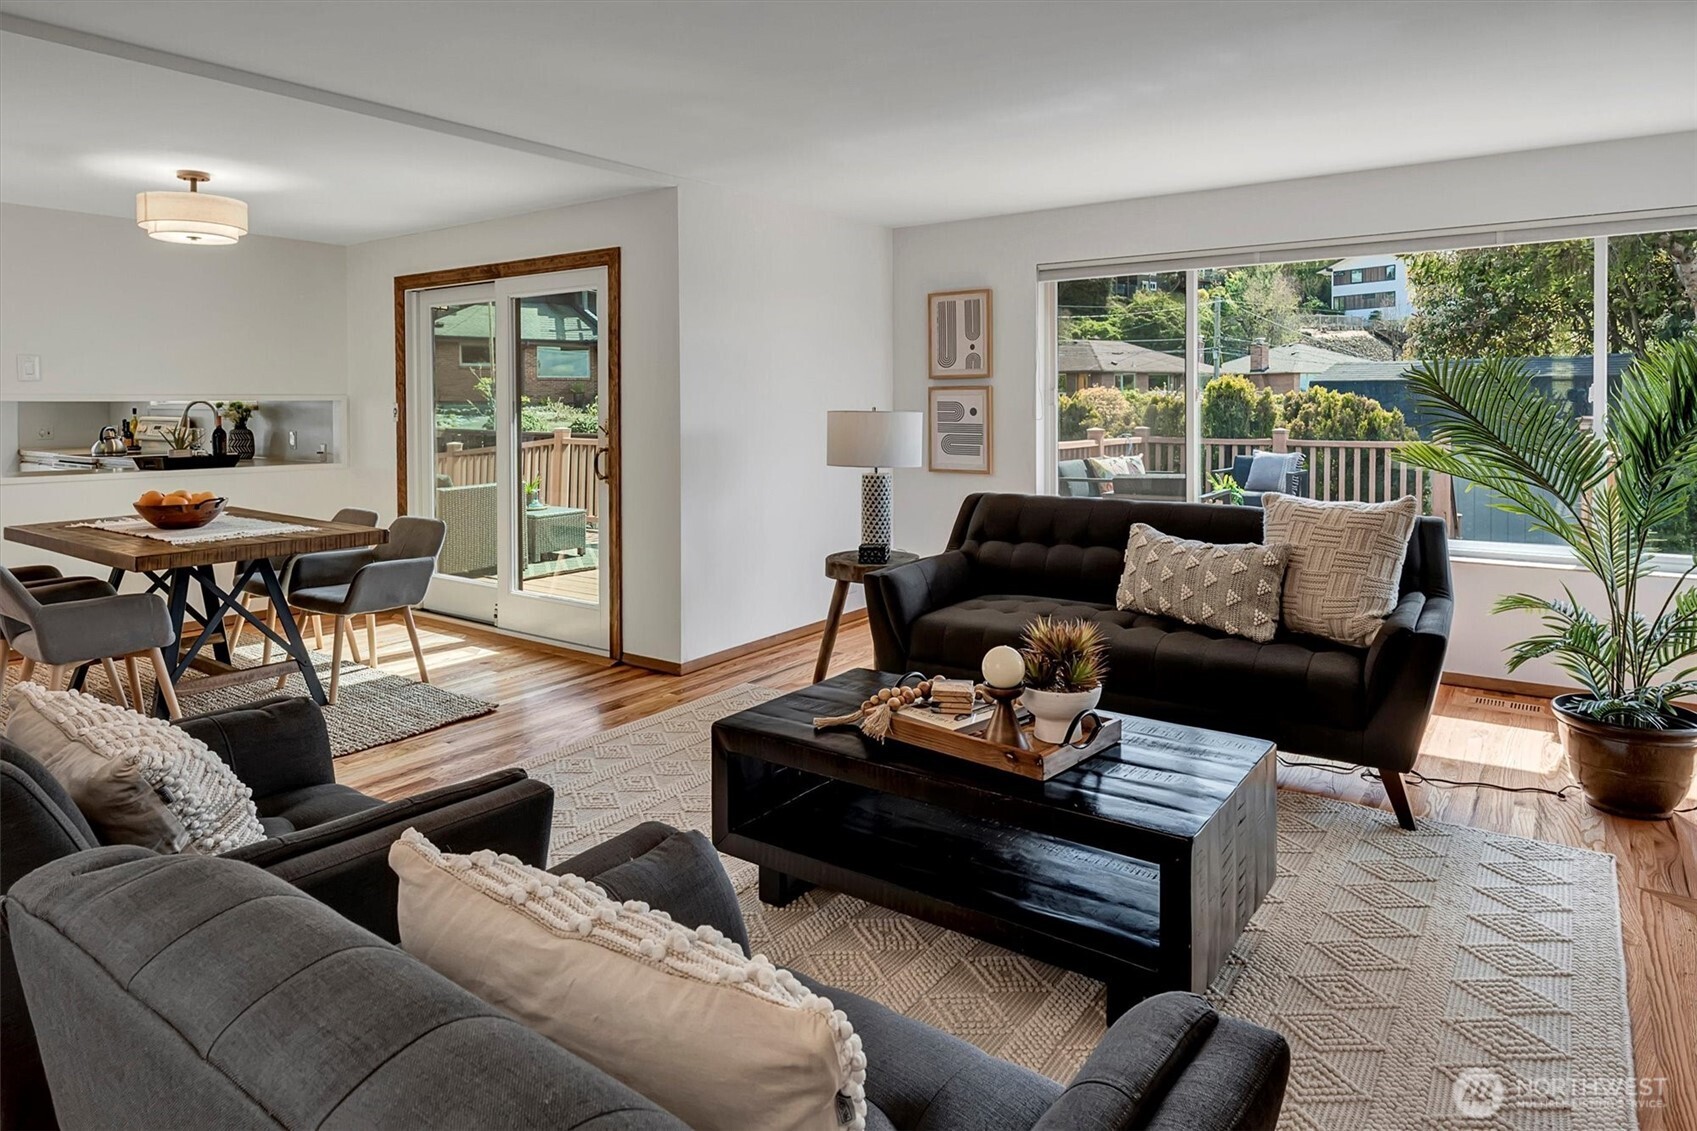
x,y
846,569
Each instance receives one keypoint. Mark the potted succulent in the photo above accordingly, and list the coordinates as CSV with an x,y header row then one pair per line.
x,y
1631,747
1065,661
182,439
241,437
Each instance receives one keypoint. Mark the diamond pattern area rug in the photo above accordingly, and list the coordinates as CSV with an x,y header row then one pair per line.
x,y
1446,979
372,707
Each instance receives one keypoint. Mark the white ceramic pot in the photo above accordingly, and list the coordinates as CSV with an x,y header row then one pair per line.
x,y
1052,712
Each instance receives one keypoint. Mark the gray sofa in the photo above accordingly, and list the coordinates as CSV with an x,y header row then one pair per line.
x,y
1012,558
1078,481
194,992
328,839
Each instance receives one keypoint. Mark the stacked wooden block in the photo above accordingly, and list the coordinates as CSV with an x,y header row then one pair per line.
x,y
954,695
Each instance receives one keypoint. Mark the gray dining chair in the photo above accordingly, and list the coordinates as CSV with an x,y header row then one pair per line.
x,y
353,516
67,623
374,579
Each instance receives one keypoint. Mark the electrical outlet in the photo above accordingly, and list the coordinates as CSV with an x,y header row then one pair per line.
x,y
291,437
29,367
44,433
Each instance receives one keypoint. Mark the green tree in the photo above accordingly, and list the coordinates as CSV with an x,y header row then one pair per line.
x,y
1162,412
1089,297
1320,413
1232,407
1094,407
1534,300
1153,319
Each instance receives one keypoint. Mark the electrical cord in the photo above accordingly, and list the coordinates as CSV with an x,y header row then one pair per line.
x,y
1368,774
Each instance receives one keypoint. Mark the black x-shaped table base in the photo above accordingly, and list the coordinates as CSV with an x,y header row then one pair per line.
x,y
216,604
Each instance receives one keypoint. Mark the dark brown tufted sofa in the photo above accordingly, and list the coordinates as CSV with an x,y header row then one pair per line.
x,y
1014,557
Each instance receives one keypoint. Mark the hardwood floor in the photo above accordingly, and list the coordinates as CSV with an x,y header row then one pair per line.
x,y
548,699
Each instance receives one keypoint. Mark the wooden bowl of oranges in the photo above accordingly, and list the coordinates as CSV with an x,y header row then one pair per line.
x,y
179,510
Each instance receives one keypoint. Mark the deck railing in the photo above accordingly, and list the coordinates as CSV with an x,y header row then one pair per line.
x,y
564,464
1365,471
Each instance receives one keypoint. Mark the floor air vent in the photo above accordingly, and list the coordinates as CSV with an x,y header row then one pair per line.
x,y
1510,706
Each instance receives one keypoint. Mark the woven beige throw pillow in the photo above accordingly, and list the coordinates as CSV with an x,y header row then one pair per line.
x,y
1232,588
723,1041
1345,562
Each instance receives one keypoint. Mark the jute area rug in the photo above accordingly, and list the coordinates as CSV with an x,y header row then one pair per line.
x,y
372,707
1444,979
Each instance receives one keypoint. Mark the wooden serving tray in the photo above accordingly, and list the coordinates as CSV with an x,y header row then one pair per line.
x,y
1043,761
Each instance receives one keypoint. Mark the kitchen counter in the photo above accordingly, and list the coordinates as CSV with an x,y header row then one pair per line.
x,y
37,464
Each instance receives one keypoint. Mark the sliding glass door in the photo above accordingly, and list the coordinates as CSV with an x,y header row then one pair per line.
x,y
512,380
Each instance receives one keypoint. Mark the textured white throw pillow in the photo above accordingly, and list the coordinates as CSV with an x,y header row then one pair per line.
x,y
213,808
722,1041
1345,562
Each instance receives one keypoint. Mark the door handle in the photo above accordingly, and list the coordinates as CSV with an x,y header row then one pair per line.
x,y
600,471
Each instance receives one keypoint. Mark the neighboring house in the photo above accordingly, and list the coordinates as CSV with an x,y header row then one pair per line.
x,y
1371,285
1567,378
557,350
1117,365
1284,368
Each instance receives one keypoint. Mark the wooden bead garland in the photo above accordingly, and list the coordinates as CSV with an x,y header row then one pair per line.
x,y
873,717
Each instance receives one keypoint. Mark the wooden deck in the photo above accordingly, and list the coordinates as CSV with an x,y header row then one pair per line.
x,y
549,699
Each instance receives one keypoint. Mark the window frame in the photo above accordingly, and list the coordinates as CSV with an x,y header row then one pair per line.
x,y
1599,229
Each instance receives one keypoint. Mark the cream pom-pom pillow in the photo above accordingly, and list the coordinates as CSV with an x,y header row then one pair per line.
x,y
723,1041
138,779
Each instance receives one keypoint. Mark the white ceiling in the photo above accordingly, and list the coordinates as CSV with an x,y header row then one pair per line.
x,y
900,113
86,132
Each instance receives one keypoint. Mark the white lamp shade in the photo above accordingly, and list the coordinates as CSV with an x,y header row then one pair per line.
x,y
874,439
191,217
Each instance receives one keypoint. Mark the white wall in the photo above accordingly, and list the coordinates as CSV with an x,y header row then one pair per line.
x,y
115,315
784,314
645,227
1004,252
112,312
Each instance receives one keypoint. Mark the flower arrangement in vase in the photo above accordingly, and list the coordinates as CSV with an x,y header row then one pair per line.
x,y
241,438
1065,662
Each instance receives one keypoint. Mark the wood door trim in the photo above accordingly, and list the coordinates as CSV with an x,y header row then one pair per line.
x,y
607,257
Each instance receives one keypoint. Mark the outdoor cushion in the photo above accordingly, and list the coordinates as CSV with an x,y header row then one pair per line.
x,y
1267,470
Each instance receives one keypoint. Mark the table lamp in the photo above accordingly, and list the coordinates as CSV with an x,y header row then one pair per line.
x,y
876,440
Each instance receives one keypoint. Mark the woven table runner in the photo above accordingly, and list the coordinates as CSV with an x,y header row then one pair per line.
x,y
224,528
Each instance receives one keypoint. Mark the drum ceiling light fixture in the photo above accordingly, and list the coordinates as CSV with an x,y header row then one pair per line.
x,y
192,217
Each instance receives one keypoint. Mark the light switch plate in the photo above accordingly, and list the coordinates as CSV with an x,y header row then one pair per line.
x,y
29,367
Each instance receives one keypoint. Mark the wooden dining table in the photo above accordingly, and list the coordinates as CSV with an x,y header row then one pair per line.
x,y
179,571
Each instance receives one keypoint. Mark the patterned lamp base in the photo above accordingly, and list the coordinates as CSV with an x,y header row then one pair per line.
x,y
875,506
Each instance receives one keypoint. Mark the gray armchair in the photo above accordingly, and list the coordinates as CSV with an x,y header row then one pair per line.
x,y
67,623
285,568
373,579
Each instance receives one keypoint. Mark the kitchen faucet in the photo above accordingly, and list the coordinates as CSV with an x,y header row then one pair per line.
x,y
184,422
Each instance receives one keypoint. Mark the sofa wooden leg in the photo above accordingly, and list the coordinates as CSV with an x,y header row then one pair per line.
x,y
1399,798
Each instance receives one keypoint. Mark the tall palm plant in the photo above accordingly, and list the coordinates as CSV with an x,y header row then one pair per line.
x,y
1603,495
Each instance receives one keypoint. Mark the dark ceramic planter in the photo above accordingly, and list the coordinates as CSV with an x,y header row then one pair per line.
x,y
1629,771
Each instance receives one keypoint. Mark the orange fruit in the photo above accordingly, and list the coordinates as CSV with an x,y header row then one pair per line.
x,y
150,498
201,496
174,500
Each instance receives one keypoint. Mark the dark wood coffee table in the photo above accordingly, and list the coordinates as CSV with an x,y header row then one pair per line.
x,y
1138,867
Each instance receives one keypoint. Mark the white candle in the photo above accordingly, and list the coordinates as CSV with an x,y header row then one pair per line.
x,y
1003,667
